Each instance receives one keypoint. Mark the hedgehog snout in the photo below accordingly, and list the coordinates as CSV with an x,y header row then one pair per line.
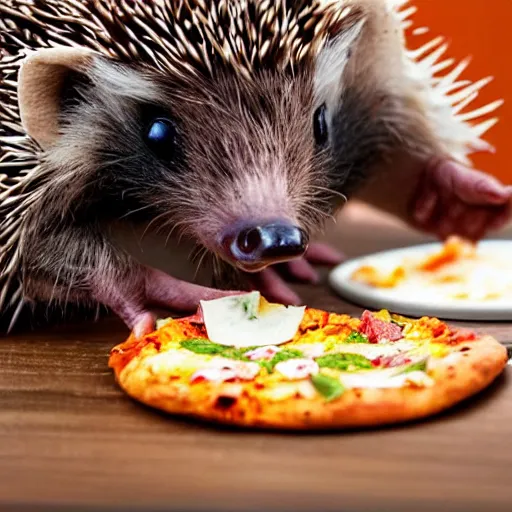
x,y
253,247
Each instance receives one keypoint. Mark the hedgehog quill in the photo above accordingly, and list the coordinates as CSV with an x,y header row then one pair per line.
x,y
243,124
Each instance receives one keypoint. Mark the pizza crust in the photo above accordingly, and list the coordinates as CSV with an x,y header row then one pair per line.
x,y
479,363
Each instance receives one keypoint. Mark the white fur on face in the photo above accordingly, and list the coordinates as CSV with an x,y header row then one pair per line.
x,y
331,64
123,81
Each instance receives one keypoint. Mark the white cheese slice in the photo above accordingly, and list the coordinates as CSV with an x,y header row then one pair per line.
x,y
248,320
376,379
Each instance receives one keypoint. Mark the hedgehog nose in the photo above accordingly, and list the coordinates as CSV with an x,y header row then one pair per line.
x,y
255,247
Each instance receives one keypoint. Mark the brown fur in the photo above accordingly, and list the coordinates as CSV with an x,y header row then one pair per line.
x,y
243,106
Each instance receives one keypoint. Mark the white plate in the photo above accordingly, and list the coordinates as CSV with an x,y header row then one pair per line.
x,y
415,302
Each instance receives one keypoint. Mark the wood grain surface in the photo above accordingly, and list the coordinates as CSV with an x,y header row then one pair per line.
x,y
70,439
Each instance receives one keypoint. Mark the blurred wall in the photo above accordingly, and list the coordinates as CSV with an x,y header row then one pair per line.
x,y
482,30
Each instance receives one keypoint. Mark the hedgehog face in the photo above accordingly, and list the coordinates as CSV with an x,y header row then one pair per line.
x,y
249,181
239,165
242,164
254,157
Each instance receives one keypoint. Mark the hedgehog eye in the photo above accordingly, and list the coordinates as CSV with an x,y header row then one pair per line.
x,y
320,126
161,138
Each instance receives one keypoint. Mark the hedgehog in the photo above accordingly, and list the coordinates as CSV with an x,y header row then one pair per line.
x,y
240,125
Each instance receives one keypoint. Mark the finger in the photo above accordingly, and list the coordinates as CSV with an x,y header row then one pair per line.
x,y
425,207
133,313
424,200
323,254
456,211
433,223
450,223
272,287
166,291
143,324
129,305
444,229
474,222
301,270
500,218
470,185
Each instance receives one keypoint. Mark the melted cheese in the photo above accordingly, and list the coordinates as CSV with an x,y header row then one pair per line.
x,y
374,350
311,350
287,390
171,360
449,360
381,379
460,272
296,369
248,320
220,370
265,353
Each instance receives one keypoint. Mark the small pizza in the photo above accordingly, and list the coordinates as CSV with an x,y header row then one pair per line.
x,y
460,270
243,361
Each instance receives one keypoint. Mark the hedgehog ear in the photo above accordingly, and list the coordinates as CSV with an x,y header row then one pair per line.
x,y
333,59
41,81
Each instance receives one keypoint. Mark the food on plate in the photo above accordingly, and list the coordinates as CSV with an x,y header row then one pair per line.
x,y
459,271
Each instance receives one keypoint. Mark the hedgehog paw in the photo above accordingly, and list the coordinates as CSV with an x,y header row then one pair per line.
x,y
302,270
452,199
269,283
134,301
272,284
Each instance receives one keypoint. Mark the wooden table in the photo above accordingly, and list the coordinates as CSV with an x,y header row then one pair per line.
x,y
69,437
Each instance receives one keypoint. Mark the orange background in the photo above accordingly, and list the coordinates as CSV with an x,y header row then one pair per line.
x,y
481,29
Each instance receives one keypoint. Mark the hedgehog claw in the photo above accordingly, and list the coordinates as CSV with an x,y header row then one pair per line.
x,y
144,324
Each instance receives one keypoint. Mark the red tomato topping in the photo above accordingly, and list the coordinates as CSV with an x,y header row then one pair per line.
x,y
462,335
391,361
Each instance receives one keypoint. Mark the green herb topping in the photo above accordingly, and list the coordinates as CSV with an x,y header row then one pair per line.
x,y
204,346
356,337
420,366
329,387
344,362
282,355
250,307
